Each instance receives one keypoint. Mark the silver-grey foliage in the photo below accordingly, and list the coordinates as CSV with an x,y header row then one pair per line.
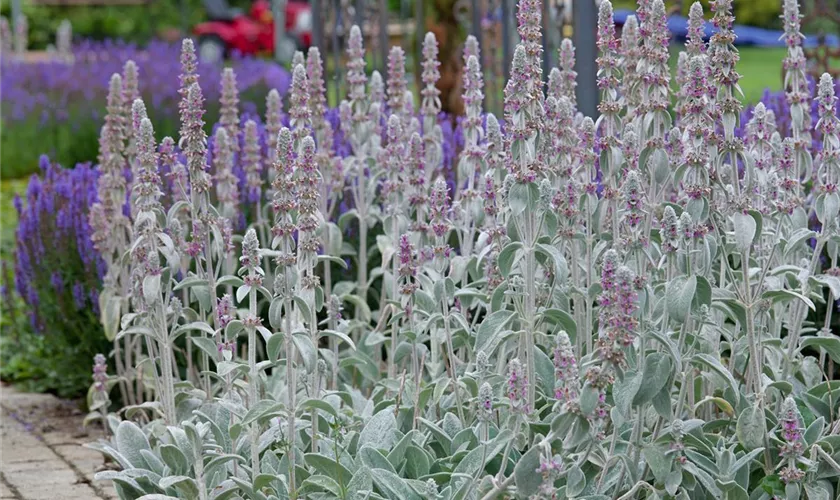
x,y
633,307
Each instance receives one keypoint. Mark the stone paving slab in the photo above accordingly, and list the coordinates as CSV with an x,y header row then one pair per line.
x,y
41,451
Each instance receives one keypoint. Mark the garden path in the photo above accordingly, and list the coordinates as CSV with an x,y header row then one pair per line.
x,y
41,453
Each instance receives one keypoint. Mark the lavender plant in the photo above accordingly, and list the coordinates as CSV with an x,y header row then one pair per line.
x,y
609,309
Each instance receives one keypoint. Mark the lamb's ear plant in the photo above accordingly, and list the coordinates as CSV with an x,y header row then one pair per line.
x,y
622,308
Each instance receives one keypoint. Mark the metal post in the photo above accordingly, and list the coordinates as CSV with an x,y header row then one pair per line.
x,y
17,11
360,15
585,25
546,39
318,25
420,36
185,17
475,28
507,34
278,8
383,35
336,48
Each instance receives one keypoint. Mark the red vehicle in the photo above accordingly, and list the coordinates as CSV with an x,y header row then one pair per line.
x,y
230,29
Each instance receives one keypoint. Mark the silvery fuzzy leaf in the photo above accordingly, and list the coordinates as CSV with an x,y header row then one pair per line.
x,y
660,463
827,207
343,337
814,431
831,345
189,282
374,459
451,425
361,481
832,282
132,410
588,399
110,307
797,238
438,433
509,255
660,165
561,269
544,370
320,483
786,295
673,482
397,454
793,491
525,474
109,451
490,330
575,482
751,427
745,230
523,197
680,294
174,459
656,374
479,457
563,320
818,490
184,484
417,462
306,349
327,466
224,368
201,294
624,392
130,440
123,481
379,431
715,365
698,208
703,478
393,485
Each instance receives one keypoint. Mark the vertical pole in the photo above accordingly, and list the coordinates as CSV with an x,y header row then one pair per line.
x,y
507,37
318,25
475,30
336,47
419,35
185,17
16,13
585,25
278,8
383,35
547,38
360,16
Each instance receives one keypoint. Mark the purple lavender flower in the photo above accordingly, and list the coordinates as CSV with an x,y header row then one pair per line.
x,y
567,384
484,410
397,84
793,445
252,162
229,113
299,113
225,312
517,387
100,375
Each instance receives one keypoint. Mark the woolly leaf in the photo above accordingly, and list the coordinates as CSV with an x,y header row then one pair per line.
x,y
751,427
380,431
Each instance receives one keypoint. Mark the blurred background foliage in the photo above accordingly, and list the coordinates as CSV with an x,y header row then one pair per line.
x,y
166,18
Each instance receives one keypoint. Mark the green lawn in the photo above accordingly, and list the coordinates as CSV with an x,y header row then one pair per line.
x,y
760,69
